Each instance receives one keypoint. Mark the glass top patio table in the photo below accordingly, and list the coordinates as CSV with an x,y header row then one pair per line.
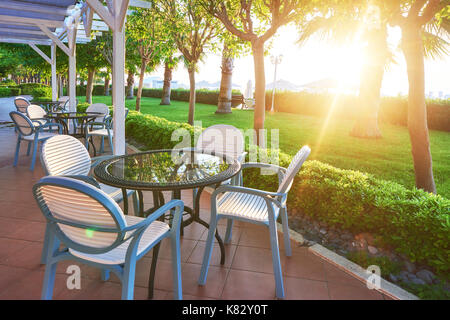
x,y
167,170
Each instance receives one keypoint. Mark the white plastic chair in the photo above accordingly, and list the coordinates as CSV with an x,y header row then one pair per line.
x,y
32,132
93,230
65,155
102,129
259,207
37,114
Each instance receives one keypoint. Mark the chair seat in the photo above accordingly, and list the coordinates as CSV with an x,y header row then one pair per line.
x,y
42,136
118,254
113,192
245,206
100,132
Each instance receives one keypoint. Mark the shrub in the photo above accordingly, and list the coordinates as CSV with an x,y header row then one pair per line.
x,y
393,110
8,82
27,88
15,91
41,93
5,92
413,222
201,96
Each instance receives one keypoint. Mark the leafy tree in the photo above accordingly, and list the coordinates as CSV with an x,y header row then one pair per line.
x,y
170,62
192,30
256,21
413,17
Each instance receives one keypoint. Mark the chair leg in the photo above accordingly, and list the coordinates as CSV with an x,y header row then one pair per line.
x,y
102,145
176,266
16,156
33,160
28,148
276,259
105,275
228,233
128,279
111,144
208,249
50,268
287,240
86,142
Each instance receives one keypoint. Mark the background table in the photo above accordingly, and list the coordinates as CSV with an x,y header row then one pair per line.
x,y
167,170
82,118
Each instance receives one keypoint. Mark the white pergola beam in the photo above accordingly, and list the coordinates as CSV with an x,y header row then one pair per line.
x,y
42,54
55,39
120,14
54,77
103,12
140,4
22,31
88,17
24,41
31,21
39,8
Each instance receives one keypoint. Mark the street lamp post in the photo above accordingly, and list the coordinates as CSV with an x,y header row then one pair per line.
x,y
276,60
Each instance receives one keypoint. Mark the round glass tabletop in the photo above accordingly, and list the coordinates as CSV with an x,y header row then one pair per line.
x,y
166,170
72,115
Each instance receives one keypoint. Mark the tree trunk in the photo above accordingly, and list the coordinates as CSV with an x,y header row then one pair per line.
x,y
165,99
191,71
141,84
366,124
107,79
90,85
225,93
130,85
412,46
260,88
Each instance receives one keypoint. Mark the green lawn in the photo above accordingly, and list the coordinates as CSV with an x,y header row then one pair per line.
x,y
388,158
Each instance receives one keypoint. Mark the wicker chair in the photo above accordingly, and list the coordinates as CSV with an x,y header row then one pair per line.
x,y
259,207
32,132
94,231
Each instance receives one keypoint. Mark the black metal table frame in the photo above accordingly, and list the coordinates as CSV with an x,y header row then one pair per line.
x,y
158,201
84,123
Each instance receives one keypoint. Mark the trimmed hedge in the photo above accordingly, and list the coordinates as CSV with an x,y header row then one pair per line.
x,y
5,92
413,222
27,88
393,110
201,96
41,93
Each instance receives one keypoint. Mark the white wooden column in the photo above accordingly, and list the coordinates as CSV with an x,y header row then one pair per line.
x,y
54,77
118,73
72,82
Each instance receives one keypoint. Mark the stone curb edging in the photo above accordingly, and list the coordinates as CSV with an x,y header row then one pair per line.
x,y
386,287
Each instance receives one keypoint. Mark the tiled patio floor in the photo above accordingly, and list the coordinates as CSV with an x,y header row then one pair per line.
x,y
247,273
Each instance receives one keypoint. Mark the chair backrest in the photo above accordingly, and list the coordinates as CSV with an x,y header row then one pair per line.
x,y
35,112
65,155
293,169
221,138
86,218
101,108
21,104
22,123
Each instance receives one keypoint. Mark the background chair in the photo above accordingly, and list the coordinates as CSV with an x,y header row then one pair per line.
x,y
259,207
21,104
65,155
94,231
102,129
31,132
37,114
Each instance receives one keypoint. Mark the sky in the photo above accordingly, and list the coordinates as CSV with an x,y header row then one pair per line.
x,y
317,60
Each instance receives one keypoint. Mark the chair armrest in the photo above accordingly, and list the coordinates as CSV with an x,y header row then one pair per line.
x,y
278,198
39,128
277,169
87,179
141,226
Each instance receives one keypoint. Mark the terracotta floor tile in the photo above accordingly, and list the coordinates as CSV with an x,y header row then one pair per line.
x,y
305,289
235,233
253,259
246,285
186,248
29,257
335,275
343,292
11,247
199,251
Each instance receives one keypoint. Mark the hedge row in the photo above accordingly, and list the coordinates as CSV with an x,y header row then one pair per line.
x,y
9,91
201,96
412,222
393,110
